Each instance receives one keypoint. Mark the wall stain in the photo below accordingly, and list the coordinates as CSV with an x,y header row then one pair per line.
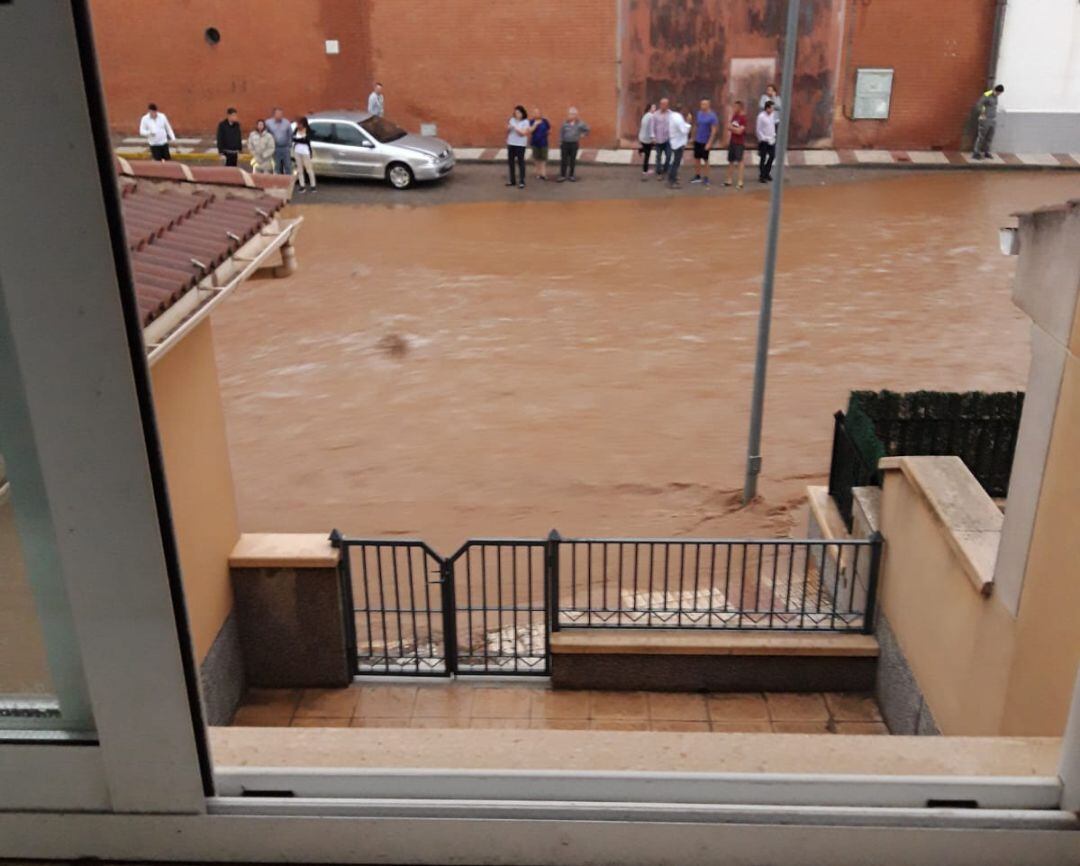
x,y
683,49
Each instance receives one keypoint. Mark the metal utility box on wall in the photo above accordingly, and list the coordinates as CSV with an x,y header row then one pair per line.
x,y
873,94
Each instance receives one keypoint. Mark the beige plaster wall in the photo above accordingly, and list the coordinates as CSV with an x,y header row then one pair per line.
x,y
957,641
191,423
1047,650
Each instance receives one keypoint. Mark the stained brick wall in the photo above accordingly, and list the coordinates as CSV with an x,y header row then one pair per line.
x,y
463,64
939,50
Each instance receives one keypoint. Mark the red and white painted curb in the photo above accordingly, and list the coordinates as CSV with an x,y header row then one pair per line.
x,y
198,148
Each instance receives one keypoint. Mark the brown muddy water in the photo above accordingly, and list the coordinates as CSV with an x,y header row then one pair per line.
x,y
503,368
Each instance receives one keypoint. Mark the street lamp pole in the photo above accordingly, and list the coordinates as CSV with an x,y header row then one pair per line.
x,y
753,451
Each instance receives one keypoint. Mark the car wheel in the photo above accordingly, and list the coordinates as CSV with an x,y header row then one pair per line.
x,y
399,175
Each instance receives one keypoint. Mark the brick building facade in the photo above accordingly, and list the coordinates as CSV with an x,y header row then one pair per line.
x,y
464,64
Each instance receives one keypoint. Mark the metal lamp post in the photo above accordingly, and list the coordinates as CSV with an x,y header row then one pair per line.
x,y
753,451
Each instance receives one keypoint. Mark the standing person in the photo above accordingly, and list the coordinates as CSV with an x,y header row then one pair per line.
x,y
737,145
301,141
766,136
680,135
517,137
662,138
570,134
646,139
281,129
229,137
987,106
770,95
154,126
705,131
376,102
541,128
261,145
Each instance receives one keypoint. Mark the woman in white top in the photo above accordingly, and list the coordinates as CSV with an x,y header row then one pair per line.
x,y
517,137
646,138
301,140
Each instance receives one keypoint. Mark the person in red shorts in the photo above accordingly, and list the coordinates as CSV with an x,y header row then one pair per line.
x,y
736,145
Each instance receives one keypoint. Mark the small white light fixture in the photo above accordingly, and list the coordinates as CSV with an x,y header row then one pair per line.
x,y
1009,238
332,46
429,129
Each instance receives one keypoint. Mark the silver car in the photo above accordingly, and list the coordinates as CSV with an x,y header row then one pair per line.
x,y
359,144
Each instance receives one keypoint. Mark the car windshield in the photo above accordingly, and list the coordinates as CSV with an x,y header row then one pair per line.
x,y
381,129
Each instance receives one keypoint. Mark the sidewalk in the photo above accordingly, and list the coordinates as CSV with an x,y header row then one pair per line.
x,y
202,149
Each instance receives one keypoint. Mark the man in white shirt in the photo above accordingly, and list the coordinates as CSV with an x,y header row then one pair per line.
x,y
679,128
376,101
154,127
766,136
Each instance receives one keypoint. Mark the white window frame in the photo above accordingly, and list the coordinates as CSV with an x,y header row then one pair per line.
x,y
138,793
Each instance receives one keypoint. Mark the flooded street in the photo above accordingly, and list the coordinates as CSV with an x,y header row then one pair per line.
x,y
502,368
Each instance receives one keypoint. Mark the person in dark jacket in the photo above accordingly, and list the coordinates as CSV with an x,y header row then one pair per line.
x,y
230,139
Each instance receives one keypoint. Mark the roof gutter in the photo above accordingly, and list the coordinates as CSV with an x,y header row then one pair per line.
x,y
170,327
995,43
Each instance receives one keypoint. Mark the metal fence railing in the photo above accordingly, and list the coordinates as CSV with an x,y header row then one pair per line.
x,y
490,608
847,469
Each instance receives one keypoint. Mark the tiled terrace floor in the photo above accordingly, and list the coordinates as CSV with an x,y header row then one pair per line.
x,y
471,705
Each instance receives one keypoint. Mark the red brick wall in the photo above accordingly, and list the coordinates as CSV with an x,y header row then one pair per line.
x,y
462,65
939,50
269,54
465,64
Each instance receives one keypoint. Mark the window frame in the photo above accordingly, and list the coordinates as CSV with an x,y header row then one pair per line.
x,y
144,790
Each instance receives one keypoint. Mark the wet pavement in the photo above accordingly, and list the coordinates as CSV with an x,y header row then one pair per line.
x,y
504,367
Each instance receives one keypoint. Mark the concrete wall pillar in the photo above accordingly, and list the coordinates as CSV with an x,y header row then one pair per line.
x,y
290,611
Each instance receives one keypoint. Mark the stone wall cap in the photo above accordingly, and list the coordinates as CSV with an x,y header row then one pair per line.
x,y
970,518
601,641
283,550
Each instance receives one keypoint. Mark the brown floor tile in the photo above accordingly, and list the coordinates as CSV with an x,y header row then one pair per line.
x,y
548,704
362,722
676,725
677,707
316,722
438,722
852,707
618,725
559,724
272,698
382,702
737,708
784,707
481,722
819,727
328,703
453,702
861,728
507,703
263,717
746,727
623,706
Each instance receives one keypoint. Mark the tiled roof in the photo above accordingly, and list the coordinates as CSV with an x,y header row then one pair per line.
x,y
177,235
279,184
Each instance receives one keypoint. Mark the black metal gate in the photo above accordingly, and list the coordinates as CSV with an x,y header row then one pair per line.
x,y
483,610
490,608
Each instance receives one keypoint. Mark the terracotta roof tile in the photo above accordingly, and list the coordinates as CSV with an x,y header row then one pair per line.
x,y
177,236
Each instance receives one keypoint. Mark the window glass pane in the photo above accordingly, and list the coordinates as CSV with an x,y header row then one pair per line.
x,y
41,679
349,134
320,131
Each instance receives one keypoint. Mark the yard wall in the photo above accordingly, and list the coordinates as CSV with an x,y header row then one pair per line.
x,y
191,426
